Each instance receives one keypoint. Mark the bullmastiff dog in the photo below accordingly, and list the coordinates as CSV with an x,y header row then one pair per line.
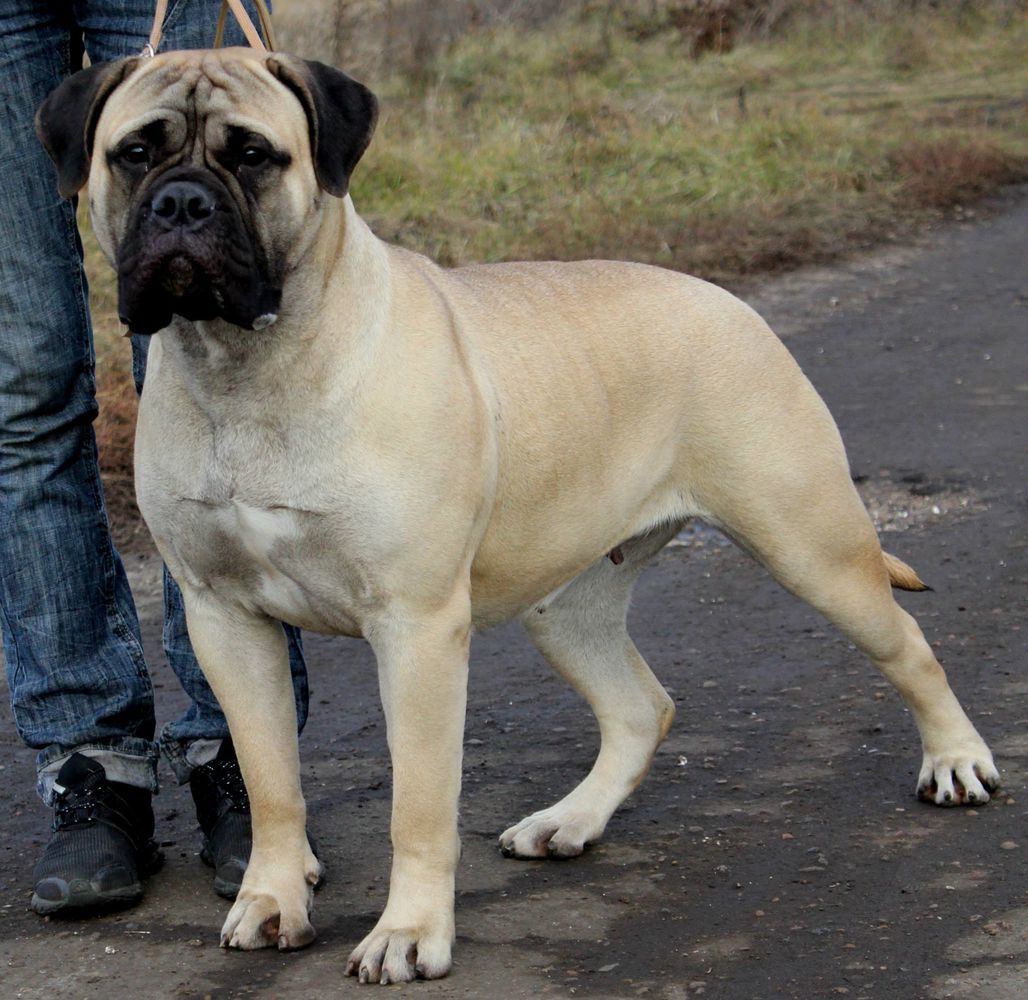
x,y
340,434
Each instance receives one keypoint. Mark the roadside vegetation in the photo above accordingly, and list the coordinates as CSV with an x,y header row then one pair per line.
x,y
726,138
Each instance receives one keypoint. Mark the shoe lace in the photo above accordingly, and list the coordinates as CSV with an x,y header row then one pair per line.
x,y
228,779
79,805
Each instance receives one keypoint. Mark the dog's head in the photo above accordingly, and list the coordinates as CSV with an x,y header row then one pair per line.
x,y
205,172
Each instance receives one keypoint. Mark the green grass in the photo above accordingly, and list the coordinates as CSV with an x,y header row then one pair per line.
x,y
576,142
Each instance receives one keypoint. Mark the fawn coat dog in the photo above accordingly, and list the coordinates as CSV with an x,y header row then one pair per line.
x,y
339,434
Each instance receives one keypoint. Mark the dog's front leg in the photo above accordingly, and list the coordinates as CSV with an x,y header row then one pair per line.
x,y
423,669
246,662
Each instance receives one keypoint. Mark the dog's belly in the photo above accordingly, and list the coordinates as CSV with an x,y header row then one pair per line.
x,y
274,560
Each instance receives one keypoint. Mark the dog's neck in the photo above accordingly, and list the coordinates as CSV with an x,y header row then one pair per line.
x,y
324,334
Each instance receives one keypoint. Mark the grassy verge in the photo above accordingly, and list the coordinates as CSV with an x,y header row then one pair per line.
x,y
591,137
583,140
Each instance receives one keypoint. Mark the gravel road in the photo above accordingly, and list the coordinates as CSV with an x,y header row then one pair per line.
x,y
777,849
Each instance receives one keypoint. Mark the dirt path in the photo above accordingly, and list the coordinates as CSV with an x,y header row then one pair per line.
x,y
776,849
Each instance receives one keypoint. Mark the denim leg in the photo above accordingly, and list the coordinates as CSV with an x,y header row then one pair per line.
x,y
117,28
195,738
113,30
72,650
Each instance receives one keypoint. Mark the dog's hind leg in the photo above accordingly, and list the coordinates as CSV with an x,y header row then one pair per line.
x,y
805,522
582,633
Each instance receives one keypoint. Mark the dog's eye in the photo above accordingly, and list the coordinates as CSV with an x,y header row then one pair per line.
x,y
253,156
137,154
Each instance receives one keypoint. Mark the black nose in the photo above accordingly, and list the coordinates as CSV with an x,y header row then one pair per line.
x,y
182,204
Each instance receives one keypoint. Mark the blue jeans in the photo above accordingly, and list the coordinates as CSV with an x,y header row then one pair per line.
x,y
71,637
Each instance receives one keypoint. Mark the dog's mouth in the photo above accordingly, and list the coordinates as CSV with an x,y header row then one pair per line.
x,y
189,254
161,283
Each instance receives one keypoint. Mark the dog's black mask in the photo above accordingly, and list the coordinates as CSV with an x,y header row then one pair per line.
x,y
188,251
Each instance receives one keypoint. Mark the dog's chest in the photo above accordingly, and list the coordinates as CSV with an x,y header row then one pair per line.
x,y
252,508
278,560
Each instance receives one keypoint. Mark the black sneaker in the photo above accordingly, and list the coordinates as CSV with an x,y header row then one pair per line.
x,y
223,811
101,845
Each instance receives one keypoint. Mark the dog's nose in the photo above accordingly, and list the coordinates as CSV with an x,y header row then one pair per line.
x,y
182,205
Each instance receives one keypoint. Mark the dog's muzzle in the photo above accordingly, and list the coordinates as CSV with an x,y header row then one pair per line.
x,y
188,251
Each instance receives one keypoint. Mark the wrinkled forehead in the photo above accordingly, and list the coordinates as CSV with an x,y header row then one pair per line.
x,y
201,93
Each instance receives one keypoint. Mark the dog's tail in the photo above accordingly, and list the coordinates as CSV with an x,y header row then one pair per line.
x,y
901,575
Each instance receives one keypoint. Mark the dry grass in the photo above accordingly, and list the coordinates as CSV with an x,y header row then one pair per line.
x,y
516,129
116,394
585,141
942,175
115,434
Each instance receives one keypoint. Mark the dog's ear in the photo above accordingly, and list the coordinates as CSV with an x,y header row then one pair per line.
x,y
341,115
66,120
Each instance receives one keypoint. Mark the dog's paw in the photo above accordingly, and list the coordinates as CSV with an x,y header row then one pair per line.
x,y
961,776
557,832
272,909
262,922
397,954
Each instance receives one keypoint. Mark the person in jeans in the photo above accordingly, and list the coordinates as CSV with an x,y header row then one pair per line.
x,y
80,690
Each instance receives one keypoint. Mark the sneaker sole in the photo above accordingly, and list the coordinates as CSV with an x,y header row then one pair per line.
x,y
83,899
88,899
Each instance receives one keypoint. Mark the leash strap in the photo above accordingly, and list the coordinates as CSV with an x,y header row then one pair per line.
x,y
150,49
238,10
252,36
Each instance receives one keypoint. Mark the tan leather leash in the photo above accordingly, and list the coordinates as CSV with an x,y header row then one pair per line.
x,y
263,15
251,33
